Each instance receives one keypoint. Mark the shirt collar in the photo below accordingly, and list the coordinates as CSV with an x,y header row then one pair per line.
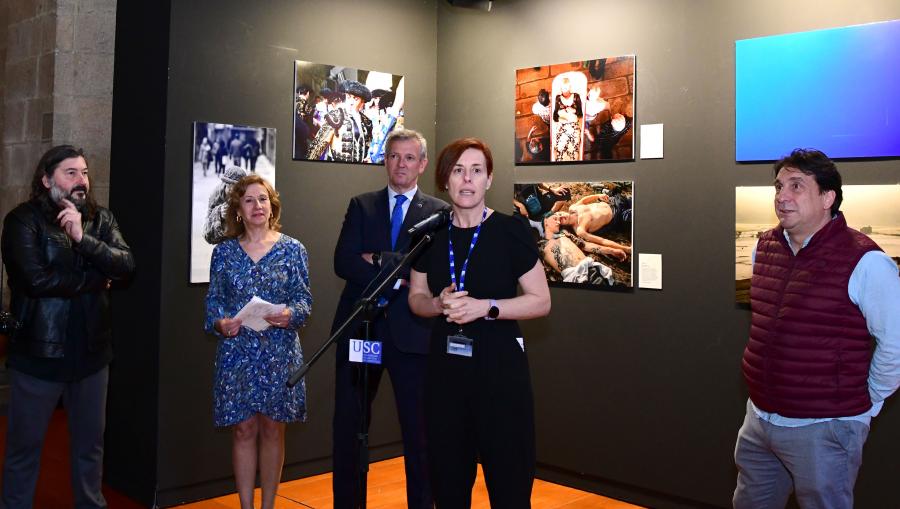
x,y
806,241
409,194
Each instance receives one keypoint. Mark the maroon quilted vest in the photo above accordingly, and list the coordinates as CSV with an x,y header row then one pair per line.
x,y
809,350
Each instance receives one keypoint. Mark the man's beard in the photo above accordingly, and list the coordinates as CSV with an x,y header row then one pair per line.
x,y
57,194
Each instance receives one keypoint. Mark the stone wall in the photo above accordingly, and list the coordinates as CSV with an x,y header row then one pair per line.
x,y
82,95
56,70
28,93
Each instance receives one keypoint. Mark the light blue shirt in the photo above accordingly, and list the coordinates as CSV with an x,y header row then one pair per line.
x,y
392,199
874,288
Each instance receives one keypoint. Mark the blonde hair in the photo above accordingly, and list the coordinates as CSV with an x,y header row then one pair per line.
x,y
235,228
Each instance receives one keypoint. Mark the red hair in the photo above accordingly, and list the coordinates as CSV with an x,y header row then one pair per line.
x,y
451,154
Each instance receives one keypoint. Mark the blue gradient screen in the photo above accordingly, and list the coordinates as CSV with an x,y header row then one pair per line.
x,y
835,90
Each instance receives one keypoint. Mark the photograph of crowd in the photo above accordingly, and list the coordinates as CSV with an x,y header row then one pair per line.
x,y
575,112
870,209
222,154
583,230
343,114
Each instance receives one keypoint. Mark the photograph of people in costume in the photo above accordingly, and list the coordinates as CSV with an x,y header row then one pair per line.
x,y
575,112
343,114
223,153
870,209
583,230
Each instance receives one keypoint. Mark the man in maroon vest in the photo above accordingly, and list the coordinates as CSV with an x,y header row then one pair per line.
x,y
820,292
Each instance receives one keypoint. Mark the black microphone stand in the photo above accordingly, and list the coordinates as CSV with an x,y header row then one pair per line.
x,y
365,306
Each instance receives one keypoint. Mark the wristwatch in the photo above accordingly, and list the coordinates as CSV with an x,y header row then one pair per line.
x,y
376,259
493,312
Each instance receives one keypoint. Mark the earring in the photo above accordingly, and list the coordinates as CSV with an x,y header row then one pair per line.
x,y
239,218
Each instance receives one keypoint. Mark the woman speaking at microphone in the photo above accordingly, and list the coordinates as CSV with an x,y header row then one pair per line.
x,y
478,389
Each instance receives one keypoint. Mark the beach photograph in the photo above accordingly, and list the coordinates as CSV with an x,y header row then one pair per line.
x,y
871,209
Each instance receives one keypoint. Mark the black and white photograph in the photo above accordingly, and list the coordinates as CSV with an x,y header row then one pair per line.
x,y
583,230
222,154
343,114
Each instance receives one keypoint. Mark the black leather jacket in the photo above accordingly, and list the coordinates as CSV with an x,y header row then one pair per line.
x,y
48,273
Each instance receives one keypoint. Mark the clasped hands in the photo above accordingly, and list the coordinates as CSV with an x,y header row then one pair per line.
x,y
459,308
230,327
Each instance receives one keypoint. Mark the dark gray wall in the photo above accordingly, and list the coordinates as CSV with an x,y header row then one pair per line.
x,y
639,395
141,63
232,61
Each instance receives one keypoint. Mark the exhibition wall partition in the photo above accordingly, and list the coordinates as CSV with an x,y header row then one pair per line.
x,y
638,392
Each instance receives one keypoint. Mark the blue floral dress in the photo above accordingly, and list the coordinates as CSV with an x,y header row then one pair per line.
x,y
252,368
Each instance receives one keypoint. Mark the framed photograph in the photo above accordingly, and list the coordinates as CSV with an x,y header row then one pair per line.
x,y
583,230
221,155
575,112
871,209
344,115
838,85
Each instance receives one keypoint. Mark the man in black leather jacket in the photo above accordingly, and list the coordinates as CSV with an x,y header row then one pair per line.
x,y
62,252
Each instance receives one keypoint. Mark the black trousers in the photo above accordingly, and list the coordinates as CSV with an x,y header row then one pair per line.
x,y
480,407
31,405
407,372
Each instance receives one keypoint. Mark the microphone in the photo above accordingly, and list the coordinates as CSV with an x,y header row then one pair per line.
x,y
431,223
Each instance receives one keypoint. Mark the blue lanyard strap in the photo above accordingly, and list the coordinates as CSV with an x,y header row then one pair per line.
x,y
462,274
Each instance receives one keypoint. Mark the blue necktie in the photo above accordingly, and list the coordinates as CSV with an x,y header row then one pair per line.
x,y
396,219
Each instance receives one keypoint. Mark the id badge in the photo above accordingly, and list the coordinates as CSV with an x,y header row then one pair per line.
x,y
460,345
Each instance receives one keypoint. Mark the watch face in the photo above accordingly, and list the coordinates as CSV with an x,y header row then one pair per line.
x,y
494,312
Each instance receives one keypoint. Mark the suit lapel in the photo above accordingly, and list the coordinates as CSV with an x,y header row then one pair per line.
x,y
383,219
416,211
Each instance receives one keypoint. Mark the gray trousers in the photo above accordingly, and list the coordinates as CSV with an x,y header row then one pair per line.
x,y
818,463
31,405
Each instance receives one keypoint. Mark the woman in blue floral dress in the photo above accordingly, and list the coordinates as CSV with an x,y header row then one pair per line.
x,y
252,367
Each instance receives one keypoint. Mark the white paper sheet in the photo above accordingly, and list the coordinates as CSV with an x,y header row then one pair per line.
x,y
251,315
651,141
650,273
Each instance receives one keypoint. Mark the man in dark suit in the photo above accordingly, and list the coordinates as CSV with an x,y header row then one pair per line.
x,y
375,226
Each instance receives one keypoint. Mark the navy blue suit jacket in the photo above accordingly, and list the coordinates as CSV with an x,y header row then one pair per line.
x,y
367,229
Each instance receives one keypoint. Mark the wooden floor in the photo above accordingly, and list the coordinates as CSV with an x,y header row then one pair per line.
x,y
387,490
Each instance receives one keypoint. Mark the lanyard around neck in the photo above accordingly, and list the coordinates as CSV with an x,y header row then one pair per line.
x,y
462,275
